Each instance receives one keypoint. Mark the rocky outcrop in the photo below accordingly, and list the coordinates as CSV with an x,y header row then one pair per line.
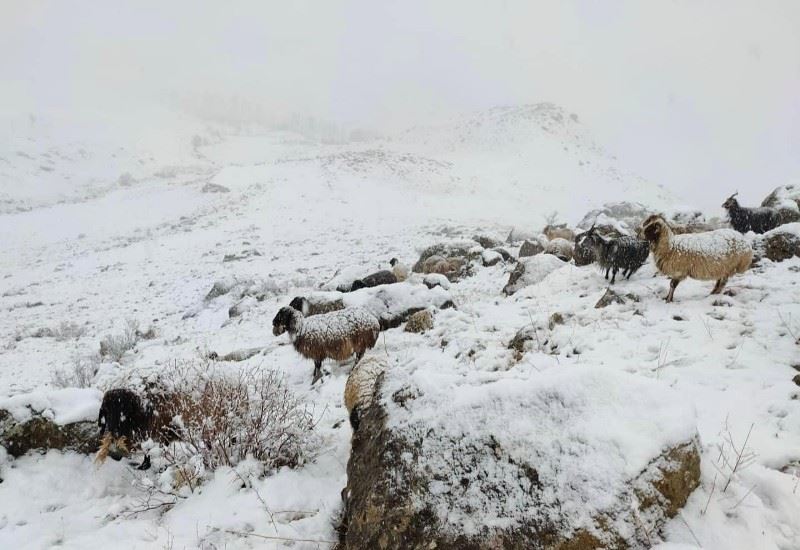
x,y
531,248
475,472
613,297
452,259
41,434
782,242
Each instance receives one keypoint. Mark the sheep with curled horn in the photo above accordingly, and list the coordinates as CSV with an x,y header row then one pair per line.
x,y
337,335
713,255
613,254
759,219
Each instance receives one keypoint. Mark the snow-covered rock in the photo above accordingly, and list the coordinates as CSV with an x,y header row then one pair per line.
x,y
782,243
530,271
571,459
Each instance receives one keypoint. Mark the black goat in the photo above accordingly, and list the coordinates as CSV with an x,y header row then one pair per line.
x,y
759,220
612,254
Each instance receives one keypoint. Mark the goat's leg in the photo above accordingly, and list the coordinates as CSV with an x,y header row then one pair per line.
x,y
317,372
630,272
359,355
614,275
673,284
607,270
145,465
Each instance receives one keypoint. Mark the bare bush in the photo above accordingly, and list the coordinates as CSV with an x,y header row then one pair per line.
x,y
80,375
66,330
220,418
114,346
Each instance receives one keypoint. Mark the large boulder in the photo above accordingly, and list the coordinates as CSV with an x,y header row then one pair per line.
x,y
63,419
623,217
574,459
784,196
782,243
531,248
530,271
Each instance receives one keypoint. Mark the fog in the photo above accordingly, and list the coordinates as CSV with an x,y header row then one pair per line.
x,y
703,97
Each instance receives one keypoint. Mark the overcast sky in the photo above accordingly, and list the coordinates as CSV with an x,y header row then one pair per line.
x,y
703,97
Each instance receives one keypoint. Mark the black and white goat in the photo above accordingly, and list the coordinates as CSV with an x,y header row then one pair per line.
x,y
760,219
616,253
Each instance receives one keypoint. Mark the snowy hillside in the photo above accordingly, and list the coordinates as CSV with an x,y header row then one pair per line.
x,y
114,230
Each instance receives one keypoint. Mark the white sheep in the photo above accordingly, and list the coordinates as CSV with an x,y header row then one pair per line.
x,y
712,255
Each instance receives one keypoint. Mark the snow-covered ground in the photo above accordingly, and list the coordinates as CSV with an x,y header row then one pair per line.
x,y
99,227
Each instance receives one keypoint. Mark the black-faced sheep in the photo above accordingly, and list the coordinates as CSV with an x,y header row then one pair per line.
x,y
125,420
713,255
383,277
612,254
360,387
399,269
337,335
759,220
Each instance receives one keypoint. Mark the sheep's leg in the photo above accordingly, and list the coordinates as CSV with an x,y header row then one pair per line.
x,y
630,272
317,372
359,355
719,286
673,284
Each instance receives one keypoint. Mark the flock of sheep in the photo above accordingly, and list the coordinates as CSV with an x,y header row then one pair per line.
x,y
322,330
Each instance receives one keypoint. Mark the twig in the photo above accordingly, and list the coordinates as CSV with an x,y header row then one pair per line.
x,y
713,486
268,537
744,497
739,455
680,515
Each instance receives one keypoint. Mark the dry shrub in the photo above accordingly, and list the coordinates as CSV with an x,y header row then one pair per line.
x,y
80,375
220,418
114,346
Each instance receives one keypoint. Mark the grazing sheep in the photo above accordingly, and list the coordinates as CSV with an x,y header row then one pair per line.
x,y
399,269
561,248
760,219
420,322
713,255
337,335
316,305
558,232
612,254
125,420
383,277
360,387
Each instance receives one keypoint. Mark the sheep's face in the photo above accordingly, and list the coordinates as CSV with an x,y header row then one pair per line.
x,y
393,261
653,230
286,319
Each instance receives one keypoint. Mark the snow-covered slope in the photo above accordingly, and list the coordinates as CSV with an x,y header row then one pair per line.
x,y
80,259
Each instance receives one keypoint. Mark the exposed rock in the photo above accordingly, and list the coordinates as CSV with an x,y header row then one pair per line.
x,y
419,322
624,217
784,196
214,188
240,307
40,433
436,279
530,271
428,472
465,250
518,234
531,248
782,242
490,258
486,241
505,254
555,319
612,297
561,248
796,379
